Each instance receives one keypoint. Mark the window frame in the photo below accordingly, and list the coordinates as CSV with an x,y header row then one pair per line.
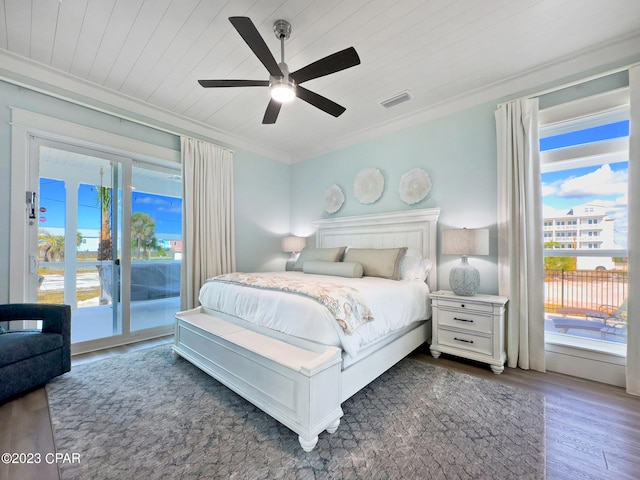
x,y
583,113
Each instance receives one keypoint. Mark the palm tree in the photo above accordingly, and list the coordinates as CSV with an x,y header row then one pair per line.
x,y
51,246
105,249
142,234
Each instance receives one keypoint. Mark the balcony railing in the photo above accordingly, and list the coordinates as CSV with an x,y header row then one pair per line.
x,y
587,303
588,289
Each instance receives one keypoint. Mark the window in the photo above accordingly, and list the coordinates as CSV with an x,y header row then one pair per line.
x,y
584,170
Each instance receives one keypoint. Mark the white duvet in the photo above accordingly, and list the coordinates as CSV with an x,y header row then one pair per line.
x,y
394,303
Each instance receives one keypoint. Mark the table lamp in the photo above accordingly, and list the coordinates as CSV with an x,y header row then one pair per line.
x,y
293,245
464,278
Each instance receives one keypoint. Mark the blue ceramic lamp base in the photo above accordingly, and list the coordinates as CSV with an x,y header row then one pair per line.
x,y
464,279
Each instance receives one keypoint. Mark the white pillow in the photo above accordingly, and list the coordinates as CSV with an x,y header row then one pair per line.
x,y
414,267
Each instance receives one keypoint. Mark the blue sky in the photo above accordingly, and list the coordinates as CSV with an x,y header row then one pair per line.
x,y
166,211
587,135
604,184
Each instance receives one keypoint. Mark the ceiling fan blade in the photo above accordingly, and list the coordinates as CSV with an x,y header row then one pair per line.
x,y
341,60
251,36
323,103
271,114
233,83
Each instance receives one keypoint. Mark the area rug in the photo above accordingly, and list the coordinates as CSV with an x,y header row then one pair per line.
x,y
152,415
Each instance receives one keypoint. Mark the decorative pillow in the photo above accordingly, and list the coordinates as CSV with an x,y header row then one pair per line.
x,y
377,262
319,254
414,267
338,269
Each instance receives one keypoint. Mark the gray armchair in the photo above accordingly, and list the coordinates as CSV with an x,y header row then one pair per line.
x,y
30,358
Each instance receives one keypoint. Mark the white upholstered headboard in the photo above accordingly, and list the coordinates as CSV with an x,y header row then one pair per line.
x,y
412,228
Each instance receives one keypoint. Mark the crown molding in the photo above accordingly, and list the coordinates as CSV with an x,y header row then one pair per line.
x,y
35,76
26,73
604,58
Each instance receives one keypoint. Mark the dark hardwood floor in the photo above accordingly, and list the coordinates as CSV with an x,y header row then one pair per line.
x,y
592,429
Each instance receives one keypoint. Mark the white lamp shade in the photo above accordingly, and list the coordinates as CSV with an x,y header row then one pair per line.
x,y
293,244
465,241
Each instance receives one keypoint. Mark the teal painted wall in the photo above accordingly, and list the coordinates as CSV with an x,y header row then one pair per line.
x,y
272,199
459,154
261,191
261,184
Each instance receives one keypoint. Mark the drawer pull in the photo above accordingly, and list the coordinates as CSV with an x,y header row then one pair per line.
x,y
463,320
462,340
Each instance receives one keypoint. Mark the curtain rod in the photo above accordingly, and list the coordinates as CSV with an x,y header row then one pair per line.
x,y
571,84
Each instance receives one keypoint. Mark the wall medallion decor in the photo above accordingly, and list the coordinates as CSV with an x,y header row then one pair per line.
x,y
333,199
368,185
415,185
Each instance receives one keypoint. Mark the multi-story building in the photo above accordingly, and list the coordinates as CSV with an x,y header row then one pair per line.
x,y
584,227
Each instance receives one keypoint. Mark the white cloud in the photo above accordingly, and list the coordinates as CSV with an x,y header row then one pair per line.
x,y
602,182
173,208
550,212
548,189
622,201
149,200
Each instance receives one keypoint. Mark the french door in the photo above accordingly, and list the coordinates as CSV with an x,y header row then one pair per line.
x,y
90,248
75,245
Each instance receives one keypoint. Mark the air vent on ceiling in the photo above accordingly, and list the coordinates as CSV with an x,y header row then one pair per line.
x,y
396,99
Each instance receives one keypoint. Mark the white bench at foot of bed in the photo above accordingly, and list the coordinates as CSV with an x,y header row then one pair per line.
x,y
296,383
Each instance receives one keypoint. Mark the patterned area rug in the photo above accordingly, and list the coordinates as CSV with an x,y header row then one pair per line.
x,y
152,415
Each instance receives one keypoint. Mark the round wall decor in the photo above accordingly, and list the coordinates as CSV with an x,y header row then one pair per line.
x,y
415,185
333,199
368,185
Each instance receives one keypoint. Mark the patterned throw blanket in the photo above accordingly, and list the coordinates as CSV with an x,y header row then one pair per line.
x,y
345,303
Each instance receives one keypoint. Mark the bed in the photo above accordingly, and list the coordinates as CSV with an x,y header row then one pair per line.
x,y
301,376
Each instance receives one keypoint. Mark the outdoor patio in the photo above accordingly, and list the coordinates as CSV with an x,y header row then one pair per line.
x,y
93,322
587,304
593,333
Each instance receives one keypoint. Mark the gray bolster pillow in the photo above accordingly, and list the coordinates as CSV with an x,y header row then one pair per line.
x,y
338,269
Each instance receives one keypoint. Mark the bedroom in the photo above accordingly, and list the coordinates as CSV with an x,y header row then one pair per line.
x,y
275,198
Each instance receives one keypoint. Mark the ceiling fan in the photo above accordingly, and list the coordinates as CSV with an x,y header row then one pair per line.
x,y
285,86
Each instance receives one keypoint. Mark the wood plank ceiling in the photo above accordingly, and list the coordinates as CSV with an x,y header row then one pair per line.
x,y
441,51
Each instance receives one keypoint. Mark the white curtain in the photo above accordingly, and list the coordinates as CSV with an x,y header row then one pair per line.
x,y
633,238
520,244
208,247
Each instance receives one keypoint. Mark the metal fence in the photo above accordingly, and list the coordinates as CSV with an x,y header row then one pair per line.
x,y
584,289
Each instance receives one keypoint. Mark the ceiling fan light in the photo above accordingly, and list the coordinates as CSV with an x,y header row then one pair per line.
x,y
283,91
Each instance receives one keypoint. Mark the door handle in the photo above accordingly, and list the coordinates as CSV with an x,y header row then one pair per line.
x,y
33,263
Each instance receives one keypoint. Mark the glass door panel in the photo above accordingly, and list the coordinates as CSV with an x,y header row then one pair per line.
x,y
109,242
156,246
78,238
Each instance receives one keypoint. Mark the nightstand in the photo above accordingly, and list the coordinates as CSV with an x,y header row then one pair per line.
x,y
470,327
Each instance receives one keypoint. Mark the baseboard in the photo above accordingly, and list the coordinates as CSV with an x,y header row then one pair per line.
x,y
604,369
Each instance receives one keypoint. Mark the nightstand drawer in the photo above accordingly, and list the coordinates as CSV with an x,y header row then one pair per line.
x,y
464,305
467,320
466,341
